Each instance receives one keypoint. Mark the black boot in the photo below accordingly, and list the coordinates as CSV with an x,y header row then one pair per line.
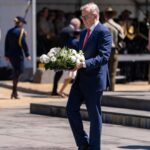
x,y
14,90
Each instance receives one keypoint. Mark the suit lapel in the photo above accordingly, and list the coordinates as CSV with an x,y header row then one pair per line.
x,y
82,37
91,36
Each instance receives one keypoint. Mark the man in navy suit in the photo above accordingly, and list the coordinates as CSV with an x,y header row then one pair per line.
x,y
91,80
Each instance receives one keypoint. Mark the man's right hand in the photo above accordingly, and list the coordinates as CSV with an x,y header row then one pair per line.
x,y
78,66
7,59
29,58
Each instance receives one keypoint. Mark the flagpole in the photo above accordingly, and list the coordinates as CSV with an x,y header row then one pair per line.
x,y
34,35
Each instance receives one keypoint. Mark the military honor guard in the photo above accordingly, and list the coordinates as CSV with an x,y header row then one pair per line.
x,y
15,49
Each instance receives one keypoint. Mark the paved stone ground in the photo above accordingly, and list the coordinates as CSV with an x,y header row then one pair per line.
x,y
33,92
20,130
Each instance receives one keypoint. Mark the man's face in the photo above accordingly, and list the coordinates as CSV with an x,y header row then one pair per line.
x,y
21,24
88,17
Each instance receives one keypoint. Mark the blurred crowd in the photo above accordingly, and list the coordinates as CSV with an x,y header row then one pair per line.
x,y
51,22
49,26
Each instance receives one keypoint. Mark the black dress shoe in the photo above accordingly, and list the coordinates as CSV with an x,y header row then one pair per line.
x,y
84,147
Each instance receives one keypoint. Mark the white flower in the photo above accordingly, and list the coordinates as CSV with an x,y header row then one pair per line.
x,y
82,59
52,50
55,50
77,56
53,59
78,61
74,52
50,54
44,59
73,58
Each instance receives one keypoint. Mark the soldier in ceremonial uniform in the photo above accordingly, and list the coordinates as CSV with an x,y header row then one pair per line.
x,y
15,49
116,31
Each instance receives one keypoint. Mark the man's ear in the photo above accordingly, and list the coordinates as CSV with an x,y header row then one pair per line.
x,y
95,16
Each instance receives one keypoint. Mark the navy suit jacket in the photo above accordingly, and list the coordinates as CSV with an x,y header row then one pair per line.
x,y
65,35
97,50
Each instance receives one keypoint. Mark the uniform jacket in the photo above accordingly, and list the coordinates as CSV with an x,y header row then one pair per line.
x,y
13,47
114,34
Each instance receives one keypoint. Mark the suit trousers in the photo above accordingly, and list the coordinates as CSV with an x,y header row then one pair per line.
x,y
92,101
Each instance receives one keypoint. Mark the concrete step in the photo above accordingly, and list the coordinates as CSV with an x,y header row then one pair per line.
x,y
130,100
120,79
118,71
119,116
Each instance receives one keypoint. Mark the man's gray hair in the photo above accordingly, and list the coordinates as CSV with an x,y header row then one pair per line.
x,y
92,6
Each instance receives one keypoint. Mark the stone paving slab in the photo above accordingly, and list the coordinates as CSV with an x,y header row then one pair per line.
x,y
20,130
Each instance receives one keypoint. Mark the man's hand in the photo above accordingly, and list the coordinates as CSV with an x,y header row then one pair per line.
x,y
7,59
78,66
29,58
148,47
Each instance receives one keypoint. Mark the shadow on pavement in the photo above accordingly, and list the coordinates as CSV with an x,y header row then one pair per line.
x,y
2,98
32,92
25,90
136,147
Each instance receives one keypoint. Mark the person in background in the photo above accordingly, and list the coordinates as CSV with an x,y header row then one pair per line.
x,y
60,21
15,49
43,31
116,31
65,35
91,80
72,43
148,45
